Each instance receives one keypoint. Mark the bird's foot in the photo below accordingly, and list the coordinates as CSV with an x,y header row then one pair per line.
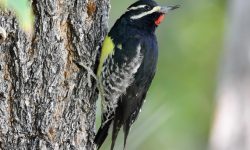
x,y
90,72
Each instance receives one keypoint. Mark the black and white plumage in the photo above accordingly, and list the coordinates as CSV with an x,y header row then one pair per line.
x,y
127,66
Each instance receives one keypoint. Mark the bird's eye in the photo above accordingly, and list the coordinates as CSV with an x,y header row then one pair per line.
x,y
147,7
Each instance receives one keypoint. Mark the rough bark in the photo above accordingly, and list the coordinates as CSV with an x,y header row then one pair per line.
x,y
45,99
232,123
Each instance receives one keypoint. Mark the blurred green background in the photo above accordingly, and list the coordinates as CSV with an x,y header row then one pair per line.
x,y
179,108
23,11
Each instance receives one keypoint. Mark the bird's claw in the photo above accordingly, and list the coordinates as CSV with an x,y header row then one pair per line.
x,y
90,72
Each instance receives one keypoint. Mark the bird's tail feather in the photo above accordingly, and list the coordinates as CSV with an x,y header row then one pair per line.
x,y
126,128
102,134
116,128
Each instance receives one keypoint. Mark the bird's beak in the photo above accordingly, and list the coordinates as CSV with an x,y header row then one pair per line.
x,y
165,9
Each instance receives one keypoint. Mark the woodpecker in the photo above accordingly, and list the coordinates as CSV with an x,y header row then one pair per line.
x,y
127,66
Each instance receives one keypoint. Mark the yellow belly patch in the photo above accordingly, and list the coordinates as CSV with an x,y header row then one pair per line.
x,y
107,49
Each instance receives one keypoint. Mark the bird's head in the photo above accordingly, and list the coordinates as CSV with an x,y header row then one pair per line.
x,y
147,13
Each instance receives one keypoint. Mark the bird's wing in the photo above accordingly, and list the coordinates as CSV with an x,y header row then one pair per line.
x,y
117,73
116,70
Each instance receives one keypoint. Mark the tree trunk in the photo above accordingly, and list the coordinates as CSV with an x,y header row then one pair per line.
x,y
232,121
45,99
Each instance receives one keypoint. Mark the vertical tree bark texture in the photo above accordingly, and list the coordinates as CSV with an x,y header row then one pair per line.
x,y
45,99
232,123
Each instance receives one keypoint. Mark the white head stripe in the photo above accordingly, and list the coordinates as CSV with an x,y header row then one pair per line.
x,y
137,7
155,9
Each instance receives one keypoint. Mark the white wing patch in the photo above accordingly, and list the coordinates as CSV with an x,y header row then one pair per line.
x,y
115,80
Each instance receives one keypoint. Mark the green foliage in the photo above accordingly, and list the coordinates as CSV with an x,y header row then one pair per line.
x,y
180,103
23,12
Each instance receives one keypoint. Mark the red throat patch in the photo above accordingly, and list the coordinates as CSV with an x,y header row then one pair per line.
x,y
160,19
